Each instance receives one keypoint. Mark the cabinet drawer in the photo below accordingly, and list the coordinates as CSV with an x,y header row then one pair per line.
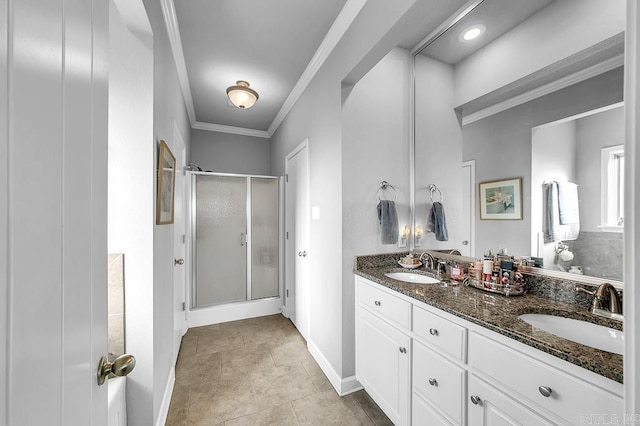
x,y
442,333
441,382
423,414
570,397
386,305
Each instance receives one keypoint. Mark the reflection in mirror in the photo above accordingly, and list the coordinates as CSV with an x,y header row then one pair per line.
x,y
490,105
570,151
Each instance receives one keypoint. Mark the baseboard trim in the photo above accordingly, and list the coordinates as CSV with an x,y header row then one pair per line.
x,y
166,399
234,312
342,386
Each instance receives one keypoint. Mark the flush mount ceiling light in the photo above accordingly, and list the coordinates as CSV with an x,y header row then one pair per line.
x,y
472,33
241,95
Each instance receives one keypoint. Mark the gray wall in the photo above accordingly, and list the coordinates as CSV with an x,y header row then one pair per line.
x,y
317,116
501,146
438,150
228,153
594,133
375,132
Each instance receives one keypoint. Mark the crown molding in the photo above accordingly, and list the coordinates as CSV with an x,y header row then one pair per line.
x,y
173,31
339,27
546,89
200,125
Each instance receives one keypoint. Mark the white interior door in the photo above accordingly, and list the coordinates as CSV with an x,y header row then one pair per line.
x,y
179,242
468,208
54,229
298,236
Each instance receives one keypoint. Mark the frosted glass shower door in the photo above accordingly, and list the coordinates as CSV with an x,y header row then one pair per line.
x,y
264,238
221,242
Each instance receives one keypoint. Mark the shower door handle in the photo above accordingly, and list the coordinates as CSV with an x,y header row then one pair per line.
x,y
243,238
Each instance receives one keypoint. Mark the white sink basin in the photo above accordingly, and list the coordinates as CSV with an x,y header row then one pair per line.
x,y
412,278
586,333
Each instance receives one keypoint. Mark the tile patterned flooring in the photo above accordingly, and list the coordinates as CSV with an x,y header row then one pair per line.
x,y
258,371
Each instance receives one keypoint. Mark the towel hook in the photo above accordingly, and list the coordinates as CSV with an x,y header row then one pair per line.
x,y
433,188
384,185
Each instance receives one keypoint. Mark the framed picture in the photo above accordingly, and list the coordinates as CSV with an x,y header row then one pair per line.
x,y
501,199
166,185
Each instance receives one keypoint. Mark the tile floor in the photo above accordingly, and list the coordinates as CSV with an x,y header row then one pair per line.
x,y
258,372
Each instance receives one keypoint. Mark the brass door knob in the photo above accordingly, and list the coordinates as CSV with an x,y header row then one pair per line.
x,y
121,366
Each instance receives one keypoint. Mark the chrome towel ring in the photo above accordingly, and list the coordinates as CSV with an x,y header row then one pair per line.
x,y
384,185
433,188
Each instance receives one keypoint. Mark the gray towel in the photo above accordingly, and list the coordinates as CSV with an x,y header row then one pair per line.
x,y
552,228
388,217
438,222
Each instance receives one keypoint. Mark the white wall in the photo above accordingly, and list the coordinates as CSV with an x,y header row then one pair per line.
x,y
145,102
438,150
375,131
131,199
553,157
568,25
228,153
168,108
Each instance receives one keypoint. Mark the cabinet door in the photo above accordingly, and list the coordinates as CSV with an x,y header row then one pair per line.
x,y
489,407
383,356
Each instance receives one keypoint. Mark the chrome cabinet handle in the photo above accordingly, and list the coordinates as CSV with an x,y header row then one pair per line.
x,y
476,400
302,253
178,261
433,331
433,382
377,302
403,350
546,391
465,243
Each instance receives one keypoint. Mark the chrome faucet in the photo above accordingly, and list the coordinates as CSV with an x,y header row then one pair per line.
x,y
606,301
430,261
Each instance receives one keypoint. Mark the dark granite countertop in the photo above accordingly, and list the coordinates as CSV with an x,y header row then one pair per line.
x,y
500,314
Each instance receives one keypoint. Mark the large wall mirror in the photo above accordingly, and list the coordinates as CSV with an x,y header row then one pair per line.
x,y
536,96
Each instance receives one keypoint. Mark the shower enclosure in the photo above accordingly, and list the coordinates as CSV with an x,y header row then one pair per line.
x,y
235,238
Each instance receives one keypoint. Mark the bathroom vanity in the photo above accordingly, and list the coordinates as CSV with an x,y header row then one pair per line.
x,y
439,354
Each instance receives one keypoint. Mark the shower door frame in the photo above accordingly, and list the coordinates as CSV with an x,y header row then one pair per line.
x,y
229,311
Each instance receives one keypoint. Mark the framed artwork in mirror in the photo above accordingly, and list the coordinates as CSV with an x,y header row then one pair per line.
x,y
166,185
501,199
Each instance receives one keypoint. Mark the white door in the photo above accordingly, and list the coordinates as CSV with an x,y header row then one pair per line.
x,y
297,295
468,208
179,242
53,213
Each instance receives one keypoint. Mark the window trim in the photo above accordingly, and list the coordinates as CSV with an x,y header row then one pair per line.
x,y
611,180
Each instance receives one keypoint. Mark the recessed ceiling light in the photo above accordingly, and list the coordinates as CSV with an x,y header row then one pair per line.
x,y
472,33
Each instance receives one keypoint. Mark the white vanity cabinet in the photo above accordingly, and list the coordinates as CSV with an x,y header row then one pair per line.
x,y
425,366
383,350
542,382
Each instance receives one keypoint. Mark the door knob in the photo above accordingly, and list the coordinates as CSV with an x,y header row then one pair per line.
x,y
465,243
178,261
120,366
302,253
476,400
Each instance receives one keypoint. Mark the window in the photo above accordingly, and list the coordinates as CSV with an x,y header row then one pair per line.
x,y
612,172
